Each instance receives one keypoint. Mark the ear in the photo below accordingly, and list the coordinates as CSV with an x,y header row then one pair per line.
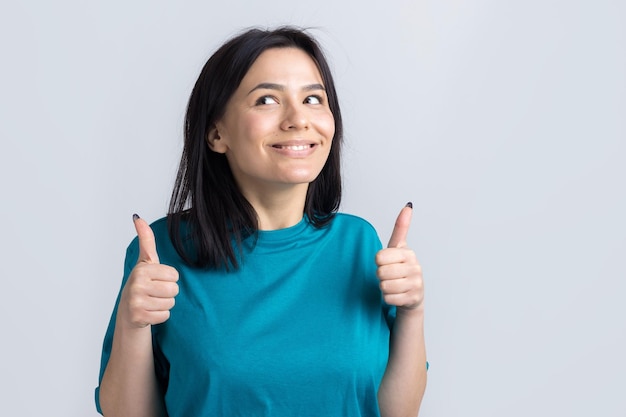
x,y
215,141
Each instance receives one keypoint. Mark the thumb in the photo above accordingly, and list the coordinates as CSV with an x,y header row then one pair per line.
x,y
401,228
147,244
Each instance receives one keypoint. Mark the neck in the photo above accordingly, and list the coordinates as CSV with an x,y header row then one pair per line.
x,y
279,209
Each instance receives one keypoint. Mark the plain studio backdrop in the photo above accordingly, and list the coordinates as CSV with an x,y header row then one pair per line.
x,y
503,122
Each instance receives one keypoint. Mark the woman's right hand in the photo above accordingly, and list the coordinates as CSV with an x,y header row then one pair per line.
x,y
148,295
129,386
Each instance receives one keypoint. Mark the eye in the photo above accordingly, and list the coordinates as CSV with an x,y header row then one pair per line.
x,y
266,100
313,100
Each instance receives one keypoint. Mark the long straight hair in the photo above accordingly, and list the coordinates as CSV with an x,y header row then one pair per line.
x,y
208,215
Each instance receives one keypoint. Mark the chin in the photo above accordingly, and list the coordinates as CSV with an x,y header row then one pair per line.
x,y
301,176
298,181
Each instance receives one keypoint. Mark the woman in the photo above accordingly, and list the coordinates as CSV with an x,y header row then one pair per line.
x,y
254,296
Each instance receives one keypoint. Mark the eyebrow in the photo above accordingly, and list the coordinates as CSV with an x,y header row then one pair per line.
x,y
280,87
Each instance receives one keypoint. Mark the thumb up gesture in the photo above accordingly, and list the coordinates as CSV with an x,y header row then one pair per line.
x,y
148,295
399,272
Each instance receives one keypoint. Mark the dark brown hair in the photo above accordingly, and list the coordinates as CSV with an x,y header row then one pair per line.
x,y
208,215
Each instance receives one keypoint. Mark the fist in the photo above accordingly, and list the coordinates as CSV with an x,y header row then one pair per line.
x,y
148,295
399,272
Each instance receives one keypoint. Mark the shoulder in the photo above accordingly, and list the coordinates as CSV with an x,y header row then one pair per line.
x,y
354,238
354,227
159,227
345,220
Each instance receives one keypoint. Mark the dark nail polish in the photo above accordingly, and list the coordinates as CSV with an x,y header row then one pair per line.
x,y
409,204
135,216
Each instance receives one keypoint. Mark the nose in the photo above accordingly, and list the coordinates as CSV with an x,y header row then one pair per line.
x,y
295,117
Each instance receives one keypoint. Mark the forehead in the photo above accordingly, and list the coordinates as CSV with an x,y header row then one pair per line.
x,y
283,65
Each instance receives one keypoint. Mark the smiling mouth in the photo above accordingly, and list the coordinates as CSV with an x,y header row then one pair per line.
x,y
294,147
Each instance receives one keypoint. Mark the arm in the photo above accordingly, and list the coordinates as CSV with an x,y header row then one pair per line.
x,y
404,381
129,385
400,274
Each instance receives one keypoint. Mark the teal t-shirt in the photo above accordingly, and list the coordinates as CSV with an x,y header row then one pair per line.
x,y
300,329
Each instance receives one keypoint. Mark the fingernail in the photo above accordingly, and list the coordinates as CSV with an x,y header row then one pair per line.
x,y
135,216
409,204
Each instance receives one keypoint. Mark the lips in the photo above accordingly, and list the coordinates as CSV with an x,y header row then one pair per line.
x,y
294,147
298,149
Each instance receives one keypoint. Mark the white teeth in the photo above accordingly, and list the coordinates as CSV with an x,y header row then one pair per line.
x,y
296,147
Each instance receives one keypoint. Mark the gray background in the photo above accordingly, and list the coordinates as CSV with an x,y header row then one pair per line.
x,y
503,121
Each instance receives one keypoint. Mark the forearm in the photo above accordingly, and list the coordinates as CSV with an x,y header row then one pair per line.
x,y
403,384
129,386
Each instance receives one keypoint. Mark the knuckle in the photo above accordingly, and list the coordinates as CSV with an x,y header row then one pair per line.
x,y
166,316
169,272
170,289
380,272
420,284
135,305
389,299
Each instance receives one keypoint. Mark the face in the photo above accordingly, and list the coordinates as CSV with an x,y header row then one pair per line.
x,y
277,129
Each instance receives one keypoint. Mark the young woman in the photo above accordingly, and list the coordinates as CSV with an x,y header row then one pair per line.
x,y
254,297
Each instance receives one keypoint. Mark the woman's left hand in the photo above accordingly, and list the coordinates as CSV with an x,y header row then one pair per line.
x,y
399,271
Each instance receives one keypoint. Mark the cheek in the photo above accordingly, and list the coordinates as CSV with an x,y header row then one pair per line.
x,y
327,126
244,131
256,126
